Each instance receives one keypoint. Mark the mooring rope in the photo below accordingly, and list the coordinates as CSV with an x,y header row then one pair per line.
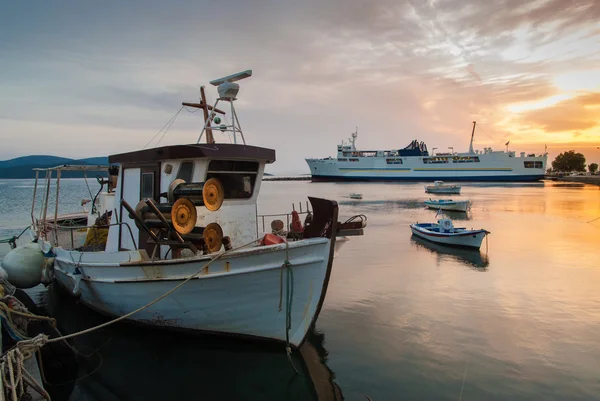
x,y
289,297
12,241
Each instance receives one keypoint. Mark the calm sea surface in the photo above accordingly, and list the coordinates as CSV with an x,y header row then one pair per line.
x,y
403,319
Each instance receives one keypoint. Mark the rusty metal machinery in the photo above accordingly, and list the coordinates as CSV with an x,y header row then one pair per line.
x,y
210,193
183,216
213,237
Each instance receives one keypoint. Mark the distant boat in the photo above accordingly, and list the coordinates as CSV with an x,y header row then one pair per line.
x,y
439,187
444,232
416,163
355,196
448,204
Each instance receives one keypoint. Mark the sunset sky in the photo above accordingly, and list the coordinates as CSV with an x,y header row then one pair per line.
x,y
79,79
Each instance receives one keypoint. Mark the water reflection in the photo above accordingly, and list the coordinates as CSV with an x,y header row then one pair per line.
x,y
142,363
378,204
469,257
452,214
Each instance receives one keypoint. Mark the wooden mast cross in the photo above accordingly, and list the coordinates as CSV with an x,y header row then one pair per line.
x,y
205,108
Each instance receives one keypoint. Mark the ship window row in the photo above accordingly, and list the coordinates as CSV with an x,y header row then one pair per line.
x,y
343,159
353,160
533,164
435,160
465,159
393,161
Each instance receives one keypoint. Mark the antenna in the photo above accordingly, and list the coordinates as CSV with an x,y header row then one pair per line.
x,y
228,91
472,135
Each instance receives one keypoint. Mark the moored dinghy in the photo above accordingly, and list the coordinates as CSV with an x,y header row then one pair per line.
x,y
444,232
439,187
447,204
185,218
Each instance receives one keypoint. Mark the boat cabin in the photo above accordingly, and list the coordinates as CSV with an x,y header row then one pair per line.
x,y
222,182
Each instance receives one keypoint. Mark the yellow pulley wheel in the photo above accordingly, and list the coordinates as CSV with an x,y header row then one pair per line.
x,y
183,216
213,194
213,237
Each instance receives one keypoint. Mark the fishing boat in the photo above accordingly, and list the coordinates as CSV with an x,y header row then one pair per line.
x,y
175,241
355,196
416,163
439,187
447,204
444,232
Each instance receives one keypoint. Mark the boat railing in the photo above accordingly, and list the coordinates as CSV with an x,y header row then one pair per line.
x,y
288,216
48,182
49,227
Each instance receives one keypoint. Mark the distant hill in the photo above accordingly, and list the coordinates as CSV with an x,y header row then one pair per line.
x,y
22,167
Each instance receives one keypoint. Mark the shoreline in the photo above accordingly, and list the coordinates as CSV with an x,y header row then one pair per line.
x,y
586,179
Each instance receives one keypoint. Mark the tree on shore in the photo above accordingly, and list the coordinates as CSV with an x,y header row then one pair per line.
x,y
593,168
569,161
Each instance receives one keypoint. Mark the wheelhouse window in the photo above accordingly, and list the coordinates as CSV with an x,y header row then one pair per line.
x,y
353,160
465,159
147,185
435,160
532,164
340,159
186,170
238,177
393,161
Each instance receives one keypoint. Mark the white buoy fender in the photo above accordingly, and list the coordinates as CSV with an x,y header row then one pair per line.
x,y
24,265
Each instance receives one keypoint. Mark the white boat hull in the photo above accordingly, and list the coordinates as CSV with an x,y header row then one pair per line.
x,y
493,166
460,206
244,293
445,191
470,240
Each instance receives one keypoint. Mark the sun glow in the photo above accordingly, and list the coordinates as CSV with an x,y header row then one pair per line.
x,y
540,104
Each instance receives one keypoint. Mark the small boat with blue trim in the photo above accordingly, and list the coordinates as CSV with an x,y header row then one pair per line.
x,y
444,232
448,204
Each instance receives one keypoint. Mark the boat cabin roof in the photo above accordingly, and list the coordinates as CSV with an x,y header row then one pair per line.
x,y
195,151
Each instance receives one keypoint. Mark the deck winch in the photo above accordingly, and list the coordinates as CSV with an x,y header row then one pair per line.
x,y
209,194
174,223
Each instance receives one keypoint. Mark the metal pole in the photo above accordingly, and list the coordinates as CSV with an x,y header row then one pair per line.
x,y
37,175
207,122
56,207
233,122
239,125
45,208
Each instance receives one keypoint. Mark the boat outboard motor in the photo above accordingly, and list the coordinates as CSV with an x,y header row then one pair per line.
x,y
446,225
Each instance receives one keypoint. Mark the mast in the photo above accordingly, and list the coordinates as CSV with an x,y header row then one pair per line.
x,y
205,108
353,137
472,135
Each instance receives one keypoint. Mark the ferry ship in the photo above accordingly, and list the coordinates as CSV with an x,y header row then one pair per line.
x,y
415,163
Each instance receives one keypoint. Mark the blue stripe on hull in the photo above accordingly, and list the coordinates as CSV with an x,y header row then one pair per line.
x,y
497,178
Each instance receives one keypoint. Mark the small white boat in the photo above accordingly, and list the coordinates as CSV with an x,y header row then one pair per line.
x,y
355,196
439,187
444,232
447,204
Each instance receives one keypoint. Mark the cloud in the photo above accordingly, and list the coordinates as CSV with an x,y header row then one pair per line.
x,y
578,113
397,69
